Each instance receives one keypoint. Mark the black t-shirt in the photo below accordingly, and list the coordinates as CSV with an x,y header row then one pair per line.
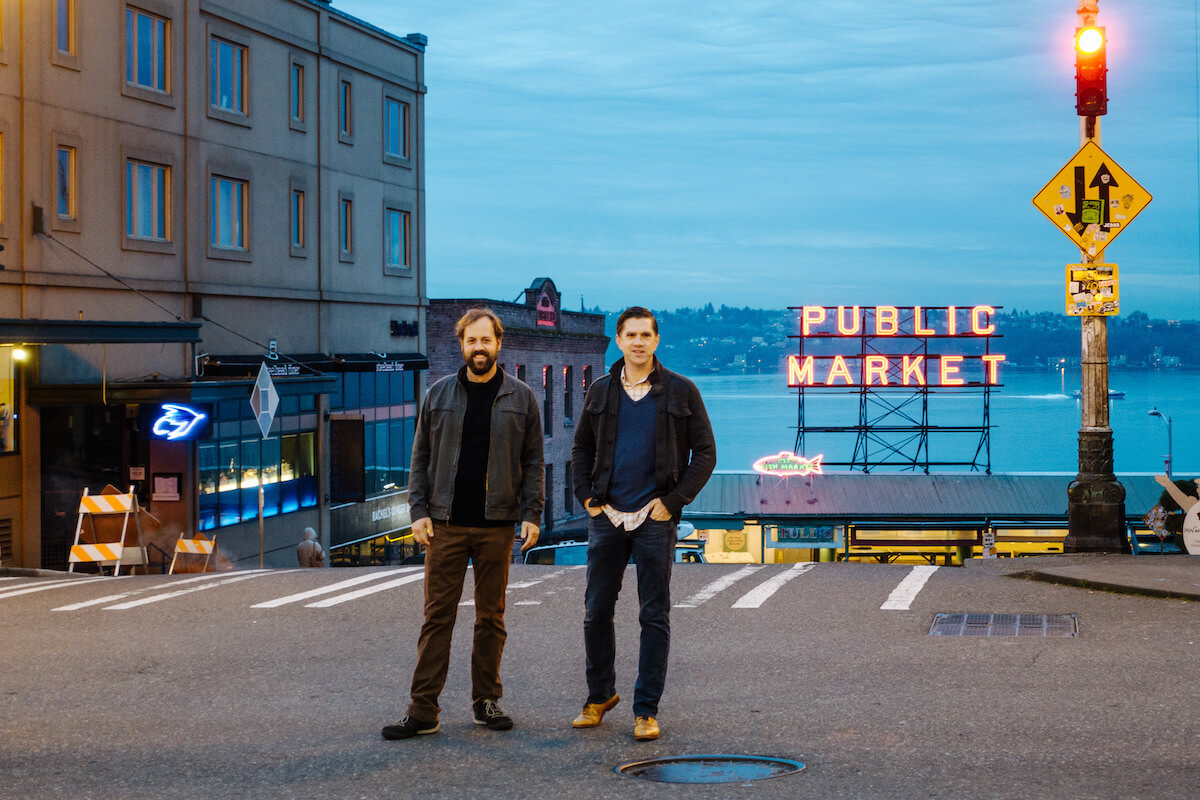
x,y
470,482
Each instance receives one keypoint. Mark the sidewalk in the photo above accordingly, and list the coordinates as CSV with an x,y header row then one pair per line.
x,y
1175,576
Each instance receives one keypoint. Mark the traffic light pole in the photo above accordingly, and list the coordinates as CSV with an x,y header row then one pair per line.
x,y
1096,499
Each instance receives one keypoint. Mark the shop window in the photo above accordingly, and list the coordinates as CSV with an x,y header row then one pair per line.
x,y
232,465
9,440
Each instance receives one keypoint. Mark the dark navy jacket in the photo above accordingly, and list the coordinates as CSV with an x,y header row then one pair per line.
x,y
686,452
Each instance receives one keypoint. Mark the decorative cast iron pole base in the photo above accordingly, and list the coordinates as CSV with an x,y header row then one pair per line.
x,y
1095,500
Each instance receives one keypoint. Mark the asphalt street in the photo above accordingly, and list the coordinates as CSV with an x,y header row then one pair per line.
x,y
275,684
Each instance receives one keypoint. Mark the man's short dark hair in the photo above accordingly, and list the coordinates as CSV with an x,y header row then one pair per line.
x,y
474,315
636,312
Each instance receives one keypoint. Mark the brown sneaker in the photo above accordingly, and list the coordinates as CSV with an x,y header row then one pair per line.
x,y
594,712
645,729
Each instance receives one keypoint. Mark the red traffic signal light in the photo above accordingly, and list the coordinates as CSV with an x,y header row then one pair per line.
x,y
1091,71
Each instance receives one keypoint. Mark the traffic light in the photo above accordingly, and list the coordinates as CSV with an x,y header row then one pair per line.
x,y
1091,82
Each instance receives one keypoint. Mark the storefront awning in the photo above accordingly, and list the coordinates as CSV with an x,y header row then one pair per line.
x,y
294,365
91,331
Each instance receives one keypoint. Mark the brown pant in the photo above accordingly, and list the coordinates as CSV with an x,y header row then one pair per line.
x,y
489,550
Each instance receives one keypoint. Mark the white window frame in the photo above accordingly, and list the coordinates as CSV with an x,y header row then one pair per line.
x,y
69,27
344,101
70,220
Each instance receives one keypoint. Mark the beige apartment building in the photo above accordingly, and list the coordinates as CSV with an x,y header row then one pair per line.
x,y
190,189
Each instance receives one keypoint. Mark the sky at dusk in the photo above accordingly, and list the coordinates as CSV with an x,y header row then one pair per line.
x,y
669,153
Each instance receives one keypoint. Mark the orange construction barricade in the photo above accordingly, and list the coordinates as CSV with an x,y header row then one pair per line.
x,y
104,550
199,546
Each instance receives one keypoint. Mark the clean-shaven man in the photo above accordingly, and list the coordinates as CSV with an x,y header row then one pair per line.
x,y
476,472
643,449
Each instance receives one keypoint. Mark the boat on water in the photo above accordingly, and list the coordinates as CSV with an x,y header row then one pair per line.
x,y
1113,394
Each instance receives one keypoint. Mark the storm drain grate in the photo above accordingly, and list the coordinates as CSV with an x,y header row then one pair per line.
x,y
1047,626
710,769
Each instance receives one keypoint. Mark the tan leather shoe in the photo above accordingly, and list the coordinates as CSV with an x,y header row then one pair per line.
x,y
645,729
594,712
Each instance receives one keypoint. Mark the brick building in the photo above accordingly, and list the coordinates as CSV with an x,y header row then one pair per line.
x,y
558,353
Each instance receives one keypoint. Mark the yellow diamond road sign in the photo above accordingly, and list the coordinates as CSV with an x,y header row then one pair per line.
x,y
1091,199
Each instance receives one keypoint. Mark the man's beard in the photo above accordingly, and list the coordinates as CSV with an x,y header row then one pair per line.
x,y
490,361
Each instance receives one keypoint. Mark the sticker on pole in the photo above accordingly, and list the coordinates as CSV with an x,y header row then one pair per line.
x,y
264,400
1091,199
1093,290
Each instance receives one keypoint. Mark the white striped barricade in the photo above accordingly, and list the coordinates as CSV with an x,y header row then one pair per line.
x,y
199,546
108,503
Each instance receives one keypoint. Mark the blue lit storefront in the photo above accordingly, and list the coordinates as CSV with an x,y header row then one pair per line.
x,y
333,456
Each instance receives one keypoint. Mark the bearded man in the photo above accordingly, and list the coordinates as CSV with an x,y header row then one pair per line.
x,y
476,473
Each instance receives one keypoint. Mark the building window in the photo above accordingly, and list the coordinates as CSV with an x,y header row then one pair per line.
x,y
395,129
227,75
568,495
147,200
548,522
65,36
398,246
521,372
568,395
8,401
345,110
146,57
548,402
346,226
297,92
232,465
297,219
228,213
587,377
66,171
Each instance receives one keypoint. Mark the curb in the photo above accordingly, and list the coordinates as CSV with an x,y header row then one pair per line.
x,y
24,572
1105,586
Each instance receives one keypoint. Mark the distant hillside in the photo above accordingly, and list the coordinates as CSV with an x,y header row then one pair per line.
x,y
754,340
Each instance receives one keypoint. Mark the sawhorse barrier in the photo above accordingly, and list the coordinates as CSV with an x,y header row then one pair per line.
x,y
107,505
199,546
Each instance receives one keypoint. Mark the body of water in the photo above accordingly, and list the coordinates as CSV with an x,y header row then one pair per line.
x,y
1035,421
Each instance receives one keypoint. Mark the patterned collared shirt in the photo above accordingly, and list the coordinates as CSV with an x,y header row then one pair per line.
x,y
636,391
629,520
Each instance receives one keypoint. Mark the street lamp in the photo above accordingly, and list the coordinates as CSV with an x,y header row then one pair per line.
x,y
1154,412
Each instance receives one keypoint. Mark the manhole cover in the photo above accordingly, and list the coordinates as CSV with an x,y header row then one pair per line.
x,y
1048,626
710,769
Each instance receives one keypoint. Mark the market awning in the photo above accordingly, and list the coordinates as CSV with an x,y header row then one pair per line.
x,y
298,364
200,391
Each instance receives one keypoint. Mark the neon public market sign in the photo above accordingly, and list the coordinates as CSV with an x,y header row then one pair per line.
x,y
908,364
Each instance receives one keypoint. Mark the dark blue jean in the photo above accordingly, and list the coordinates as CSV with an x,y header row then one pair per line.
x,y
652,546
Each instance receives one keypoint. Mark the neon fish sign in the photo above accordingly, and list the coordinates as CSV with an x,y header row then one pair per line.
x,y
177,421
788,465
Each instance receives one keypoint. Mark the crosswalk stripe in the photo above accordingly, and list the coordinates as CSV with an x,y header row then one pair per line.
x,y
357,593
9,578
903,595
112,598
333,587
43,586
716,587
527,584
168,595
759,594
